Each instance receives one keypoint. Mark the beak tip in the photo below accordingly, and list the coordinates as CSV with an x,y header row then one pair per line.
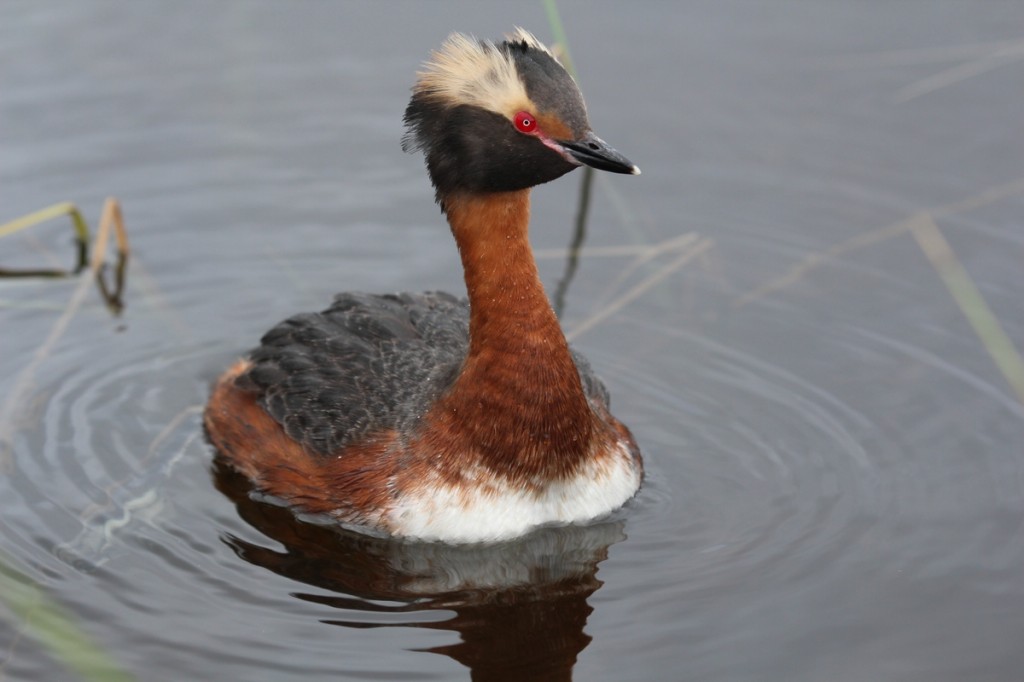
x,y
590,150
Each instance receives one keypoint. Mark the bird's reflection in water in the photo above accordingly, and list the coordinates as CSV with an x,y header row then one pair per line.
x,y
520,607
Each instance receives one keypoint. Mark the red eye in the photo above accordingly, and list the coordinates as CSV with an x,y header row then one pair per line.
x,y
526,123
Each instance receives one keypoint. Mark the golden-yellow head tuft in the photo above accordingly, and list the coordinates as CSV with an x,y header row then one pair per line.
x,y
477,73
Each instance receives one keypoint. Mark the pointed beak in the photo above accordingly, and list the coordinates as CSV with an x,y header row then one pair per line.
x,y
593,151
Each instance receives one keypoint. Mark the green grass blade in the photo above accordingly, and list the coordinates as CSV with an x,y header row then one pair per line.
x,y
49,213
46,621
963,290
558,31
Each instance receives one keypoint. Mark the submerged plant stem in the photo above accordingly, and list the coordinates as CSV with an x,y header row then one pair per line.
x,y
579,235
690,250
13,409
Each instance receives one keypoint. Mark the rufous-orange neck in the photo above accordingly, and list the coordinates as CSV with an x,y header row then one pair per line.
x,y
518,399
509,310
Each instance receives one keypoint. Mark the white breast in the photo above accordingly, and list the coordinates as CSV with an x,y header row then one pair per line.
x,y
483,509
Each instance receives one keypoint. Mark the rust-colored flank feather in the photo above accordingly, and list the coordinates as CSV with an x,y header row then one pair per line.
x,y
255,444
422,416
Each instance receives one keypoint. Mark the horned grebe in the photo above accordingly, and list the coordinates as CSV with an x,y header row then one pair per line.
x,y
425,416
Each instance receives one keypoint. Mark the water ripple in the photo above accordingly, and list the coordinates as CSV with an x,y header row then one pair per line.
x,y
772,468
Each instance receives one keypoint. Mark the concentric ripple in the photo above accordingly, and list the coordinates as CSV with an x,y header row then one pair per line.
x,y
114,512
763,466
772,503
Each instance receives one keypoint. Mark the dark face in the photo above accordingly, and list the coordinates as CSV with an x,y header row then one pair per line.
x,y
475,150
472,149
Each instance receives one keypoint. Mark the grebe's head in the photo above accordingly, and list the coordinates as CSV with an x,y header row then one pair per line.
x,y
496,117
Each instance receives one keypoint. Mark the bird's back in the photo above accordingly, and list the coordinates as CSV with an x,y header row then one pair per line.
x,y
368,363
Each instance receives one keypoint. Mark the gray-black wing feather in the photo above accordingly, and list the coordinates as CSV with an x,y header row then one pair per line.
x,y
367,363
